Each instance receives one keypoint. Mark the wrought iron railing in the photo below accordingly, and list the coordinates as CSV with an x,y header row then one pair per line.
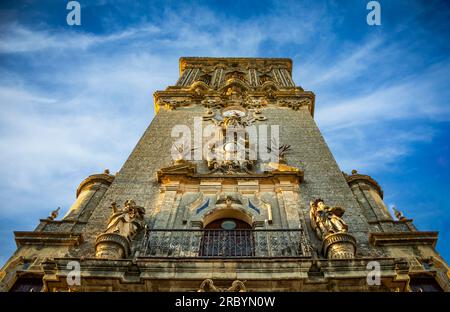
x,y
224,243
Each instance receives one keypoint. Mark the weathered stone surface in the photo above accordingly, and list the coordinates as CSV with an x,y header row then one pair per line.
x,y
188,197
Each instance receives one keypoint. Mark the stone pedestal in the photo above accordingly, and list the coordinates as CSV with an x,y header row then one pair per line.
x,y
339,246
111,246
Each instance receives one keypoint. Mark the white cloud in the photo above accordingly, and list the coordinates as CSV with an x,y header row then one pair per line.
x,y
375,148
353,60
16,38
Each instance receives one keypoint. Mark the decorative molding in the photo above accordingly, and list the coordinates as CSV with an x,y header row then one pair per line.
x,y
157,274
403,238
234,79
209,63
295,99
183,168
48,238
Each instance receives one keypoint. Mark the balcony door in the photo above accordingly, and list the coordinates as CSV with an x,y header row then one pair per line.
x,y
227,237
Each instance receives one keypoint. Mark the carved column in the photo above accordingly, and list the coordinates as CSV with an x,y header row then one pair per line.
x,y
287,76
184,77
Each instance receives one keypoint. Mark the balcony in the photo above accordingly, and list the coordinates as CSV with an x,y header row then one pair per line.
x,y
177,243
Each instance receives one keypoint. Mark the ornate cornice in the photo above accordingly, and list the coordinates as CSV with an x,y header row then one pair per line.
x,y
145,273
48,238
183,168
225,80
172,99
403,238
188,170
234,62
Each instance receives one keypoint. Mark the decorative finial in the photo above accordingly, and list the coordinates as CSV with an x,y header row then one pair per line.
x,y
54,214
398,214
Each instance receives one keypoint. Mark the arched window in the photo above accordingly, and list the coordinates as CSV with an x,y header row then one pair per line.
x,y
227,237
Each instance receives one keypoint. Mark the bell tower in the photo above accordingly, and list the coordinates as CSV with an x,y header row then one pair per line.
x,y
233,188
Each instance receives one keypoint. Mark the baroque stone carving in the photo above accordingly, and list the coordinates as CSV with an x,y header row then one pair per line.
x,y
224,158
235,92
181,168
122,227
329,226
326,220
236,74
205,78
230,151
233,199
254,103
173,104
208,286
295,104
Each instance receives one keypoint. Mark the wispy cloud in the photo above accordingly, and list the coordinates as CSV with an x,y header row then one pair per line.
x,y
16,38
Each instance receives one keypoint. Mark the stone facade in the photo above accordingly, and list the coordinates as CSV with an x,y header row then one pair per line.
x,y
159,240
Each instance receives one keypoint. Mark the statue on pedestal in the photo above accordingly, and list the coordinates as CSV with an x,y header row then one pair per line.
x,y
329,226
327,220
115,241
126,221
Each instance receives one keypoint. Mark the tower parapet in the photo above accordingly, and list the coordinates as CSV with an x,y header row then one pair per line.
x,y
220,82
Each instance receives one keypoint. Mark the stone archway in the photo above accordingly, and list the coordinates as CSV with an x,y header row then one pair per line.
x,y
227,233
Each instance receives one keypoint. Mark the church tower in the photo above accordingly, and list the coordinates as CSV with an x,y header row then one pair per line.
x,y
232,188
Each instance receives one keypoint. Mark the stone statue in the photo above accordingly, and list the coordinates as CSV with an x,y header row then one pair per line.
x,y
115,241
208,286
126,221
237,286
332,230
326,220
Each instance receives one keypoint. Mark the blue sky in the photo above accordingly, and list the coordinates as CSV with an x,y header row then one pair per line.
x,y
76,99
